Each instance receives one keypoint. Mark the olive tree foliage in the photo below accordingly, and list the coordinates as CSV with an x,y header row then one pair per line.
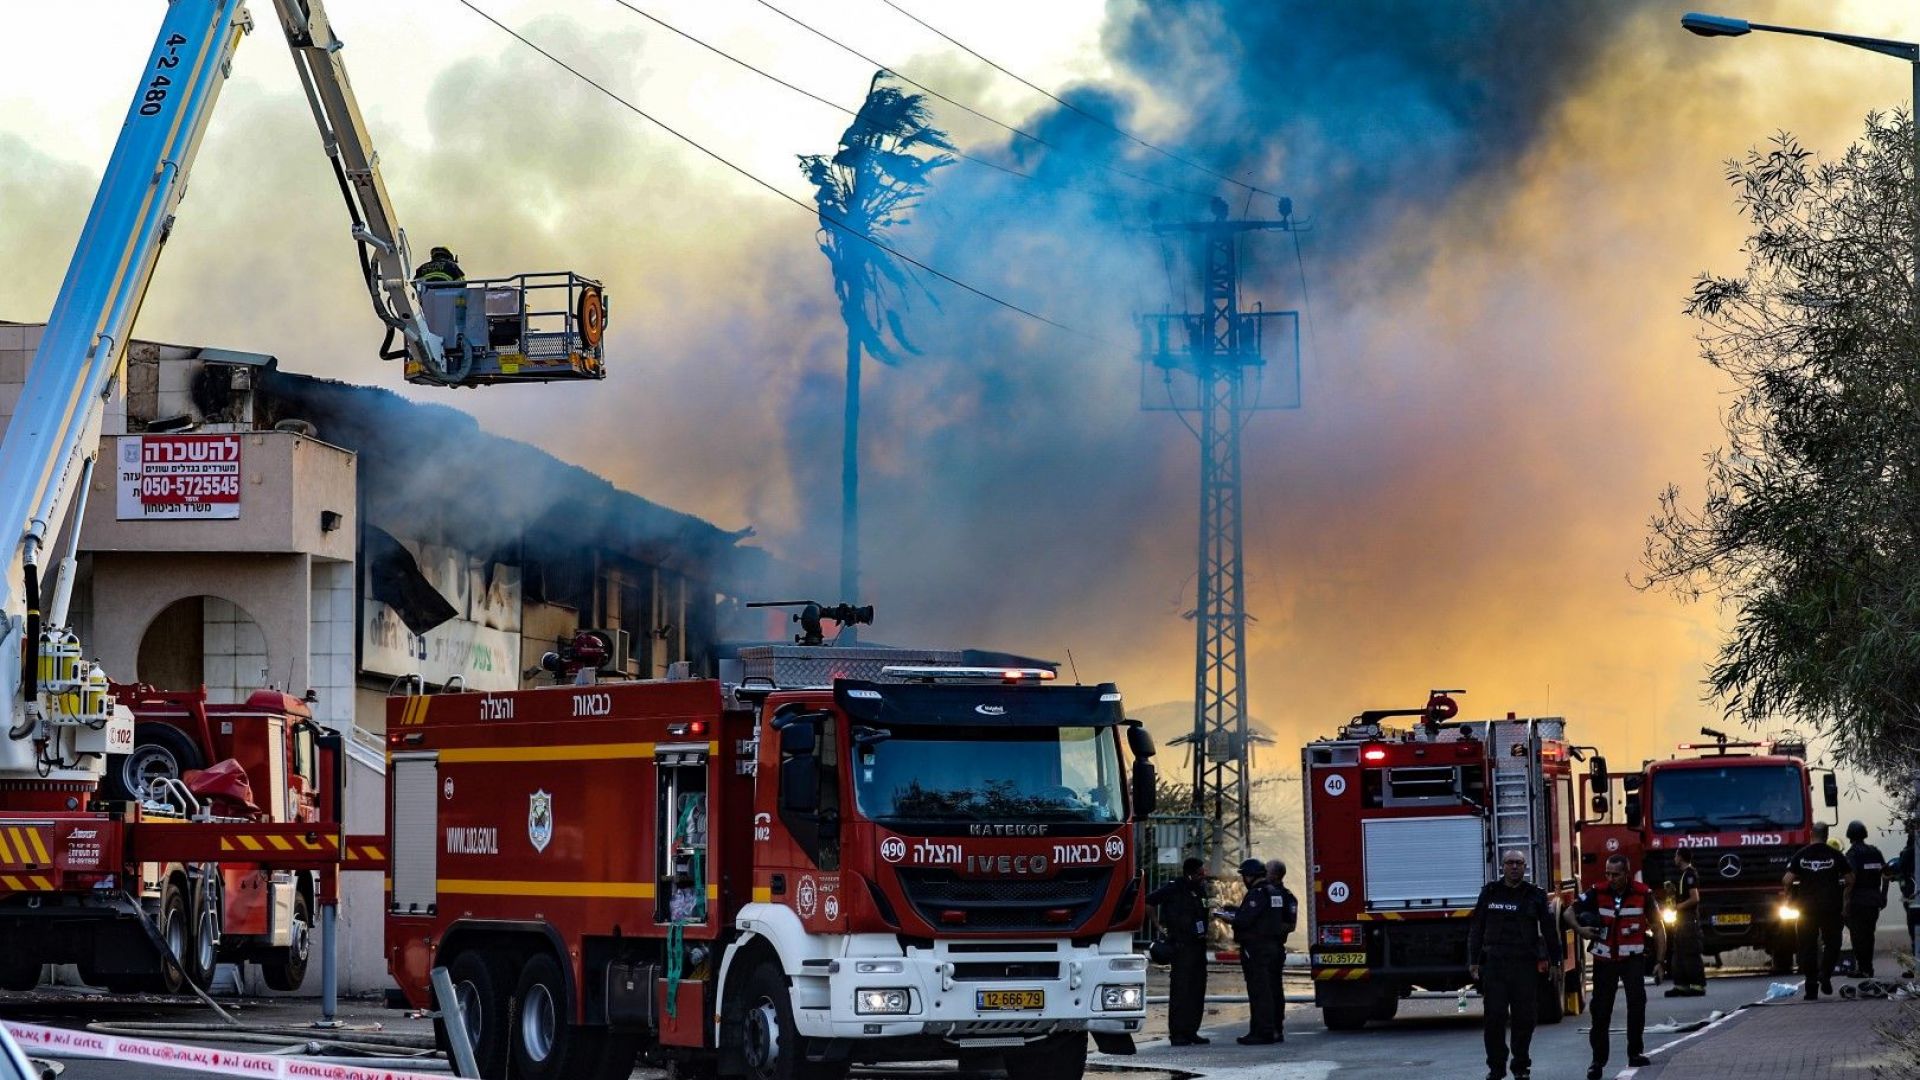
x,y
1808,530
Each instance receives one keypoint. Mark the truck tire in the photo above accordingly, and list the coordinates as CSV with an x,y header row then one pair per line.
x,y
158,750
176,930
19,976
546,1045
203,939
286,968
1780,955
770,1045
1386,1007
481,993
1060,1057
1346,1017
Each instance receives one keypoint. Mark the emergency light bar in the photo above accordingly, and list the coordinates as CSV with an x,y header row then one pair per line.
x,y
969,674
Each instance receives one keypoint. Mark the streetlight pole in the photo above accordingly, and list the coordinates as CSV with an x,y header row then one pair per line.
x,y
1723,26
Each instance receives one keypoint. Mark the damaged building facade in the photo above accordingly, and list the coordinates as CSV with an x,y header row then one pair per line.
x,y
338,541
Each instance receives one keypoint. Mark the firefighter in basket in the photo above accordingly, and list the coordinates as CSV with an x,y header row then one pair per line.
x,y
1510,941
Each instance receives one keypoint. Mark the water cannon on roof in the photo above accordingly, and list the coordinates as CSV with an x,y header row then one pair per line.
x,y
811,614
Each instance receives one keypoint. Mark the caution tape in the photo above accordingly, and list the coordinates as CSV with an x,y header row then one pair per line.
x,y
63,1042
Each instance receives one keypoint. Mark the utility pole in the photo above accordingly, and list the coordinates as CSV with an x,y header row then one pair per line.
x,y
1217,346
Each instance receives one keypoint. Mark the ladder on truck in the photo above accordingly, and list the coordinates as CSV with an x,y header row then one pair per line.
x,y
1518,816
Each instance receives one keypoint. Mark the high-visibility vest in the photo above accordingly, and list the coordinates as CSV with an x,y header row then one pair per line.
x,y
1623,917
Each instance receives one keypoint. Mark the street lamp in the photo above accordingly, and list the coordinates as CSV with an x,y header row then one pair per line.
x,y
1723,26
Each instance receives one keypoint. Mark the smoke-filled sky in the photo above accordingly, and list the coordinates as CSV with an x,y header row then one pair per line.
x,y
1508,204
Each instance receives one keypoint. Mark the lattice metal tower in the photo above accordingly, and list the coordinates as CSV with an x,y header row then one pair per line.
x,y
1217,347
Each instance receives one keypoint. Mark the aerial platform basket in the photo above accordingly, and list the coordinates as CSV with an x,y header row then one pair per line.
x,y
540,327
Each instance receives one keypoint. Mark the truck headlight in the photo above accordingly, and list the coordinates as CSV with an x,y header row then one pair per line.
x,y
1789,913
1669,916
880,1002
1122,998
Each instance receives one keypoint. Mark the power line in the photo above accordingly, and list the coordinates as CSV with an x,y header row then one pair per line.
x,y
829,103
964,107
1102,121
872,241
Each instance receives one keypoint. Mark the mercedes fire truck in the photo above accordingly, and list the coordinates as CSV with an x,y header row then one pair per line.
x,y
854,854
1403,827
1741,808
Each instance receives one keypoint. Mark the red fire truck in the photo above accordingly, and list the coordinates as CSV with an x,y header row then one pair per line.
x,y
1742,808
1403,828
855,854
199,866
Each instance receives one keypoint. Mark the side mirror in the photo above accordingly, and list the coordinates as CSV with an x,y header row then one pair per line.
x,y
1597,769
1830,787
1630,783
800,785
1139,743
1633,811
1601,806
1146,788
798,739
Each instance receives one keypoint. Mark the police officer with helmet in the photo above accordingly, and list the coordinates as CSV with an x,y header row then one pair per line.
x,y
1510,942
1869,896
1259,928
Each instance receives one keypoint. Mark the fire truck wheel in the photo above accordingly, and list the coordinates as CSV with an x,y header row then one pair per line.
x,y
483,1005
176,930
1780,958
1060,1057
545,1045
285,969
203,938
1386,1007
770,1045
1346,1017
19,976
159,751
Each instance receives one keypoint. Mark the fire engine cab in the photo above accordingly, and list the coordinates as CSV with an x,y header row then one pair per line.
x,y
850,855
1404,826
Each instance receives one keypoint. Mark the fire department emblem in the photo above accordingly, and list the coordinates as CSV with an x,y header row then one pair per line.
x,y
806,897
540,819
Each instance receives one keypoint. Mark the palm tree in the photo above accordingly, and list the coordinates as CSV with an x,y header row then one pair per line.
x,y
866,188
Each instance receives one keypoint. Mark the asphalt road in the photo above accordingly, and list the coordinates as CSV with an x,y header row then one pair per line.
x,y
1432,1039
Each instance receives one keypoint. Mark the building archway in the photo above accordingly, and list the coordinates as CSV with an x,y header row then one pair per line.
x,y
206,641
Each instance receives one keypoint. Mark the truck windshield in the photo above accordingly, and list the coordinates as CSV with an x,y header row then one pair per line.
x,y
1066,774
1689,800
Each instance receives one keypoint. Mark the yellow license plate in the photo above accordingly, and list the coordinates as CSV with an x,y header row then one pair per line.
x,y
1358,958
1009,1000
1737,919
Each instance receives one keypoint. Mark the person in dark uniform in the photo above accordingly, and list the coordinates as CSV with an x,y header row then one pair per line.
x,y
1820,883
1510,941
1688,968
1615,919
1869,896
1257,930
1183,912
1289,922
440,266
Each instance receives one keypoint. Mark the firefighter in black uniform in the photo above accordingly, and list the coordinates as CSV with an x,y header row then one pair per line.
x,y
1183,914
1258,930
1820,883
1688,968
1510,942
1869,896
441,266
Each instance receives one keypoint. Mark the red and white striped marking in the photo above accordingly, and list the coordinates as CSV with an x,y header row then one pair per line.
x,y
63,1042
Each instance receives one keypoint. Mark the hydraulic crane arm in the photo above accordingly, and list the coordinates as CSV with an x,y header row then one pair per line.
x,y
56,721
385,260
